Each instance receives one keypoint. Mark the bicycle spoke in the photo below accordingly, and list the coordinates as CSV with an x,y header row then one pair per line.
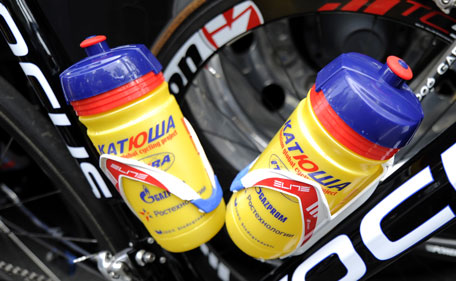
x,y
61,238
277,54
27,251
248,134
31,199
18,231
5,150
236,125
21,232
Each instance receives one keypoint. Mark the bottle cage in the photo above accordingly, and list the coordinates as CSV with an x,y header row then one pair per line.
x,y
315,213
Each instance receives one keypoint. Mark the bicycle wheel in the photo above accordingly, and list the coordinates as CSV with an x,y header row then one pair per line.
x,y
44,222
239,68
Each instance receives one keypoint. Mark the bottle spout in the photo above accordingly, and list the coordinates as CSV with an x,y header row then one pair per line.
x,y
95,44
395,71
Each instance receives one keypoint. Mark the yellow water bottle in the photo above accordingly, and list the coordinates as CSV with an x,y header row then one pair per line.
x,y
148,149
354,119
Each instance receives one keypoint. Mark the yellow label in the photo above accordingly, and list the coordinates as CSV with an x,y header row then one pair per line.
x,y
302,146
262,222
156,135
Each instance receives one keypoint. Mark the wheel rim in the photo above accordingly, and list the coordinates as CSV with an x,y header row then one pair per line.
x,y
35,224
243,94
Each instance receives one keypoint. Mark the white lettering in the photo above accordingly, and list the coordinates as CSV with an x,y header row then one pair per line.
x,y
450,60
441,250
343,248
91,173
204,52
442,68
424,91
19,48
372,234
32,70
430,82
60,119
449,164
78,152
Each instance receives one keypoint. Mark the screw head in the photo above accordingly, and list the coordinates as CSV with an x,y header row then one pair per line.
x,y
8,267
114,275
108,256
148,257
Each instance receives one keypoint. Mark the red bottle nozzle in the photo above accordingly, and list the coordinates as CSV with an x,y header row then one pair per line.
x,y
95,44
395,71
399,67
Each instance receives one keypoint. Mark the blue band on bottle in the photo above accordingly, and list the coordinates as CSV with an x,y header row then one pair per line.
x,y
209,204
236,185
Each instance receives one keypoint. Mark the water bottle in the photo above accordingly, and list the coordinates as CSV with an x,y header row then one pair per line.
x,y
356,116
148,149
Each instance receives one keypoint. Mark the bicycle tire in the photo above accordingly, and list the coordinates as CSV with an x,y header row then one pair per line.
x,y
168,48
39,139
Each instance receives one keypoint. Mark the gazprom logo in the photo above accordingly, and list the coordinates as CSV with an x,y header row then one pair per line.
x,y
149,198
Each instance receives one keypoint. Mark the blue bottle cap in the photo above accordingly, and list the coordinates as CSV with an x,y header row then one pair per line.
x,y
372,98
105,69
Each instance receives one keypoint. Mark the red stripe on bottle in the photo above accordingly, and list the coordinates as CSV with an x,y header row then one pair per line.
x,y
343,133
118,96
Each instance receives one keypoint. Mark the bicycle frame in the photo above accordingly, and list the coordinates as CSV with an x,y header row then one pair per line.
x,y
371,238
414,203
42,59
